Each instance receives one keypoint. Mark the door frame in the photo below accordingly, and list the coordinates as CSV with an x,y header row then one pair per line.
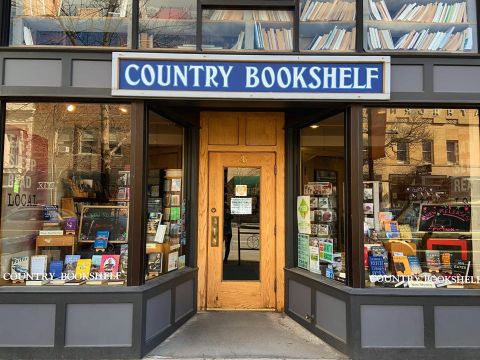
x,y
203,215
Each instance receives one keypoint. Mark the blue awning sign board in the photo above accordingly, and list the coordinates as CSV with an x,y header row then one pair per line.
x,y
285,77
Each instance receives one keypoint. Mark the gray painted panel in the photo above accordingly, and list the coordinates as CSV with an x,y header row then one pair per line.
x,y
99,325
92,74
299,299
407,78
392,326
183,299
466,328
158,314
460,79
21,72
331,315
26,325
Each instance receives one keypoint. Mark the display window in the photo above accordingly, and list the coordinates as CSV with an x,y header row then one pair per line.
x,y
421,226
320,206
65,194
166,200
99,23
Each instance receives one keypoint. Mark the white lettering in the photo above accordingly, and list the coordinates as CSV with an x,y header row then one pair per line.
x,y
284,83
252,74
179,75
315,76
330,73
298,77
225,74
211,73
356,79
151,75
196,73
128,78
345,73
160,75
372,73
271,73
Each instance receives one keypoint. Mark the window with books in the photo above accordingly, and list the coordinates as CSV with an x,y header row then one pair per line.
x,y
237,30
402,25
103,23
166,203
168,24
421,218
327,25
64,215
320,206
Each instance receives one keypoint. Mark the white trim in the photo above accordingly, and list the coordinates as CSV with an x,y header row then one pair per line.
x,y
117,56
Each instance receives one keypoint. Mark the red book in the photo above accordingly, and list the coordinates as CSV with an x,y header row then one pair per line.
x,y
109,263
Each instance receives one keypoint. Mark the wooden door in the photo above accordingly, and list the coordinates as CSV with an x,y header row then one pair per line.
x,y
241,202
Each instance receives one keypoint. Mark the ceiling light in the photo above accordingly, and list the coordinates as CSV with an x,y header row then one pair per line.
x,y
314,126
71,108
124,110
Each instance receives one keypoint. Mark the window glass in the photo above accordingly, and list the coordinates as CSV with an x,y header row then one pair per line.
x,y
168,24
421,217
65,195
402,25
104,23
236,30
166,204
327,25
320,206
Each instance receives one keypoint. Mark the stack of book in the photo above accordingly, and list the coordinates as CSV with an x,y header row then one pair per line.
x,y
256,15
428,13
272,15
272,39
422,40
337,10
145,41
336,39
240,41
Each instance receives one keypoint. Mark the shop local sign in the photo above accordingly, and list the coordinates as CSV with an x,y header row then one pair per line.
x,y
251,76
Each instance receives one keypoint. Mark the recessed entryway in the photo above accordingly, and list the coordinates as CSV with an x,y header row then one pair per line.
x,y
234,335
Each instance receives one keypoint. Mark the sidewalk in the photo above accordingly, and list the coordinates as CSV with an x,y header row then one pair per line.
x,y
236,335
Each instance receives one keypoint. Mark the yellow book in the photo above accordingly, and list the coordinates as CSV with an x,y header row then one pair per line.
x,y
83,268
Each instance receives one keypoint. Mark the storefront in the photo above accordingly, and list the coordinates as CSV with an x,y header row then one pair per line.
x,y
161,158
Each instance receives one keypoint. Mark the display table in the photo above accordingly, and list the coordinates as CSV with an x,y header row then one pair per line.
x,y
55,241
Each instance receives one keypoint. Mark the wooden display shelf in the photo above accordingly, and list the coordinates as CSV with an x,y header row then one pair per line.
x,y
55,241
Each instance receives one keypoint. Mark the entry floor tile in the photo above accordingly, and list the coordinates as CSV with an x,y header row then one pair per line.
x,y
243,335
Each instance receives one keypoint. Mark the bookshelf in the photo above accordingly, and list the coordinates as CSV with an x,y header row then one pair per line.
x,y
237,30
70,23
168,24
423,26
327,25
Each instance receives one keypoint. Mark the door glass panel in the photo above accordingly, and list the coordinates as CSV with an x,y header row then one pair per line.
x,y
241,226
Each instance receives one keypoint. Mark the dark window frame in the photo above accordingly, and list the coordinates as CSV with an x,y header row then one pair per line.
x,y
454,152
430,152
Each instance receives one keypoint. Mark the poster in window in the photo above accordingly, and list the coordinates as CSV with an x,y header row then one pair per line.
x,y
303,251
241,206
303,214
444,218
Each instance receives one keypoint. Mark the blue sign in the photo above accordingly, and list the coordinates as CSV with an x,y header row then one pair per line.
x,y
244,76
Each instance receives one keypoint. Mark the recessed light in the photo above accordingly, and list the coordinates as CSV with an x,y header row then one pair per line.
x,y
314,126
124,110
71,108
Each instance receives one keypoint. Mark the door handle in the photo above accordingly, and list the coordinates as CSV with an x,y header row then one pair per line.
x,y
214,232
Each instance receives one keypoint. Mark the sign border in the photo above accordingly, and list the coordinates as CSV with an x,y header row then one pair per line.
x,y
117,56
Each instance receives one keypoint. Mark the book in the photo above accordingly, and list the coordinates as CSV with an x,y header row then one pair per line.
x,y
155,263
37,282
123,265
432,258
38,265
110,263
176,185
102,235
460,268
83,268
391,226
70,225
401,265
20,266
70,263
181,261
314,259
75,282
446,261
56,268
57,282
172,261
415,266
160,234
96,264
114,282
96,282
174,213
376,265
405,231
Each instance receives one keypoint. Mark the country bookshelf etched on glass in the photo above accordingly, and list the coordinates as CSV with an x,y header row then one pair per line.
x,y
327,25
423,26
168,24
237,30
104,23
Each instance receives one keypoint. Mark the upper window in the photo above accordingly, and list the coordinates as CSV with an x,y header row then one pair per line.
x,y
402,151
402,25
327,25
104,23
65,214
420,217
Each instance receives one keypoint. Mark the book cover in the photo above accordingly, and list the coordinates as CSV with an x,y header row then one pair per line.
x,y
176,185
415,265
460,268
175,200
376,265
110,263
20,265
70,263
38,265
71,225
96,263
433,260
56,268
401,265
378,250
181,261
405,231
172,261
160,234
155,263
314,259
174,213
83,268
123,259
391,226
102,235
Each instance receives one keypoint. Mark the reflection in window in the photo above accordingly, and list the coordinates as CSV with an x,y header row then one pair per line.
x,y
320,209
421,217
64,212
70,22
402,151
